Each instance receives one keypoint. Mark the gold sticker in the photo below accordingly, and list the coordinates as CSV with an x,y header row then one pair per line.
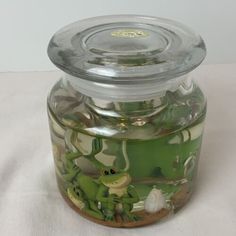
x,y
129,33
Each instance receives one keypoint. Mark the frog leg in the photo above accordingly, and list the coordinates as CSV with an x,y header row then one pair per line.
x,y
96,148
109,211
97,215
75,195
71,169
108,203
127,215
127,203
93,210
89,207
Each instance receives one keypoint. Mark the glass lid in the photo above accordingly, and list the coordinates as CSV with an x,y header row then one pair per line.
x,y
125,49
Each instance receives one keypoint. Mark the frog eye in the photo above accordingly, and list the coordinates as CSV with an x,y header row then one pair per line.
x,y
106,172
112,171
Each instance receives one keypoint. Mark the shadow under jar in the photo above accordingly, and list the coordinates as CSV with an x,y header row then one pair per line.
x,y
126,119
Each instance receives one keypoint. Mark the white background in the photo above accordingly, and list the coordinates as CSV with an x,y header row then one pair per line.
x,y
27,25
30,203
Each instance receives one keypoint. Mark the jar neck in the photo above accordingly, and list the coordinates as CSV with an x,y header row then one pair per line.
x,y
125,92
125,103
126,109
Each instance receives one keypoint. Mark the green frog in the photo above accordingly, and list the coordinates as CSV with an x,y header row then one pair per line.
x,y
116,194
112,190
104,197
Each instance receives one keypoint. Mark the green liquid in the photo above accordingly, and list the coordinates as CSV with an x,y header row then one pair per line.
x,y
157,154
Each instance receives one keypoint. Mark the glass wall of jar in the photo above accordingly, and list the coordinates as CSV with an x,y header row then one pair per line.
x,y
126,119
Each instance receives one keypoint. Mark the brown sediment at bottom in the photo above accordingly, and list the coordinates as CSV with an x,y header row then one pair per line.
x,y
145,218
181,197
178,200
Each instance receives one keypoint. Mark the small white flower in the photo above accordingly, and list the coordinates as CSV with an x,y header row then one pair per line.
x,y
155,201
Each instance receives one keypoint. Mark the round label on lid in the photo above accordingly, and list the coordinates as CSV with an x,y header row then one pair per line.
x,y
129,33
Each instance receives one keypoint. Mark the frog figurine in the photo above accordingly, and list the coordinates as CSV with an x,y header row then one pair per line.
x,y
104,197
116,195
83,193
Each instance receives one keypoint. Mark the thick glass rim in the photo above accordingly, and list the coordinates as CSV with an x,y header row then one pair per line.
x,y
165,49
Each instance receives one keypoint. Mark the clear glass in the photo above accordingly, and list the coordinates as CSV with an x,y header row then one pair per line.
x,y
126,119
127,49
140,156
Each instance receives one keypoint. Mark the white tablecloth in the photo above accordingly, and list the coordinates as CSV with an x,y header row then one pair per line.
x,y
30,203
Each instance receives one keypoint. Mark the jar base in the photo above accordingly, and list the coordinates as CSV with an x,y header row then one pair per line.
x,y
148,218
180,199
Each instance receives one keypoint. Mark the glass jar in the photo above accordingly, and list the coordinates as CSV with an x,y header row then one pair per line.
x,y
126,119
